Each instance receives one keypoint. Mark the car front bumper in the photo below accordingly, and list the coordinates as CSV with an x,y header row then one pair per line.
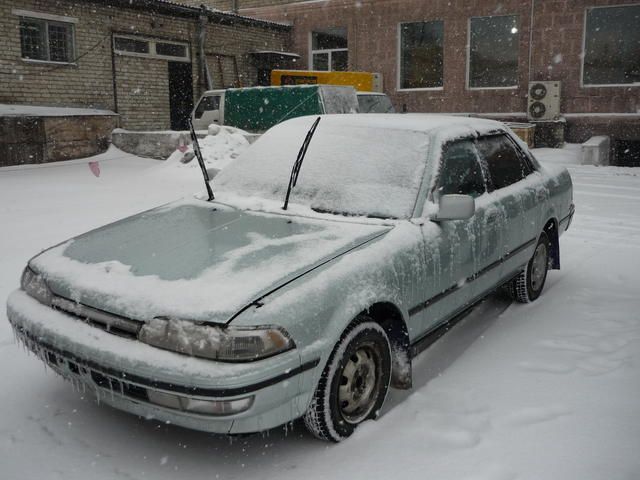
x,y
131,376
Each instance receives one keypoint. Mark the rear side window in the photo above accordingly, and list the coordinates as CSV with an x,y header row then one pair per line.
x,y
504,162
460,170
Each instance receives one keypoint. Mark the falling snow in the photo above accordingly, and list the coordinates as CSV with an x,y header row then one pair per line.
x,y
511,392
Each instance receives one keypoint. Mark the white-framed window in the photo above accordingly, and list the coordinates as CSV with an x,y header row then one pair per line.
x,y
151,47
329,50
493,52
611,46
421,55
47,38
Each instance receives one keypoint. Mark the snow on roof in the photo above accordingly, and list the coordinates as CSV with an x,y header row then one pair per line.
x,y
416,122
189,9
7,110
236,16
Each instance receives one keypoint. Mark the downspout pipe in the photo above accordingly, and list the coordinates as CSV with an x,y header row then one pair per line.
x,y
531,25
203,70
114,79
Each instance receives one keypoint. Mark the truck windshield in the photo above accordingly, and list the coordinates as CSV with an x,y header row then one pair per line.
x,y
207,104
353,166
374,104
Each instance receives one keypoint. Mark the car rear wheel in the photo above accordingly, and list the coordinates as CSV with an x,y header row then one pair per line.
x,y
528,285
354,383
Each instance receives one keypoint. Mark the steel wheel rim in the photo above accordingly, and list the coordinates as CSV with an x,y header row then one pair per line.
x,y
359,381
539,267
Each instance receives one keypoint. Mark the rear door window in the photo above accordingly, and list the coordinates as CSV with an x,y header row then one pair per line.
x,y
505,164
460,171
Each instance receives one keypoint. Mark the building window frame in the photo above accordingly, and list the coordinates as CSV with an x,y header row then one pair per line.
x,y
47,20
328,51
399,59
468,59
152,44
584,51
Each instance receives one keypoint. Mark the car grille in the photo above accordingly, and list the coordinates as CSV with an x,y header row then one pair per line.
x,y
81,372
127,389
115,324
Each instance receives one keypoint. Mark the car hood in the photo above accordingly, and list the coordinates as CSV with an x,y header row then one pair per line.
x,y
193,260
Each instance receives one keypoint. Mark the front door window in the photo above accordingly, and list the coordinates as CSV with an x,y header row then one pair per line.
x,y
460,171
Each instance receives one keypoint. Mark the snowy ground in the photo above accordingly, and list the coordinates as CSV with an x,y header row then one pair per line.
x,y
544,391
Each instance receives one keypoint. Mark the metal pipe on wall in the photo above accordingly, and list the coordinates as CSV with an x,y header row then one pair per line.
x,y
113,76
205,78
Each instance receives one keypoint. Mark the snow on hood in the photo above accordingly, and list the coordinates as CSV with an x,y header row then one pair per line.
x,y
192,259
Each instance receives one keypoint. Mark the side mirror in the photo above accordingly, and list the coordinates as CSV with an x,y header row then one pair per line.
x,y
455,207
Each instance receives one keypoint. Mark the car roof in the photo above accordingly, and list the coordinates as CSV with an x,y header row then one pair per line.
x,y
416,122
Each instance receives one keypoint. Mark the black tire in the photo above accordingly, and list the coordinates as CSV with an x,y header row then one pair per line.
x,y
528,285
349,392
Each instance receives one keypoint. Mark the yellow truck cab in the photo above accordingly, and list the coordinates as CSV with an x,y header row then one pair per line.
x,y
361,81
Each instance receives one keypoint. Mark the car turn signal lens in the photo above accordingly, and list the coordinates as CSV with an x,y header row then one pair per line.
x,y
194,405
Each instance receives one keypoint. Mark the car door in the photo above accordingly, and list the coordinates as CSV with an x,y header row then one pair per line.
x,y
511,204
455,249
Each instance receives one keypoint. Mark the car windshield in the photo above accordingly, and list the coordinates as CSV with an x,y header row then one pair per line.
x,y
351,167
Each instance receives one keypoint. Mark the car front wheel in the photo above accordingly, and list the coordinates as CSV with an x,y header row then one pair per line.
x,y
354,383
528,285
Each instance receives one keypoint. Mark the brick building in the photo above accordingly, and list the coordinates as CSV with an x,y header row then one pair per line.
x,y
479,56
146,60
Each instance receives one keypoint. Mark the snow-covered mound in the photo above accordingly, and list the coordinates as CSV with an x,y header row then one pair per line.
x,y
568,155
219,148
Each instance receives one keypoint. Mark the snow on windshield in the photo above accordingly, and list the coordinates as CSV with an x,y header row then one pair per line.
x,y
352,168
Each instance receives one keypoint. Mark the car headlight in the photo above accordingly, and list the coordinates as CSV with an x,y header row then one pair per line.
x,y
35,286
216,342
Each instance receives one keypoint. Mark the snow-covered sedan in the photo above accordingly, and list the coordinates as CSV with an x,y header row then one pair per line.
x,y
306,287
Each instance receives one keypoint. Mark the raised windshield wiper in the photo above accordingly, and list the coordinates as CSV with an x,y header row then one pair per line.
x,y
196,150
293,178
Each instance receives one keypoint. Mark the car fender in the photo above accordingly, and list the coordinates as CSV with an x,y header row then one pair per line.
x,y
317,308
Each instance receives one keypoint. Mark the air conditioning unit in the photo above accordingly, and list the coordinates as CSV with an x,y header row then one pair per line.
x,y
544,100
